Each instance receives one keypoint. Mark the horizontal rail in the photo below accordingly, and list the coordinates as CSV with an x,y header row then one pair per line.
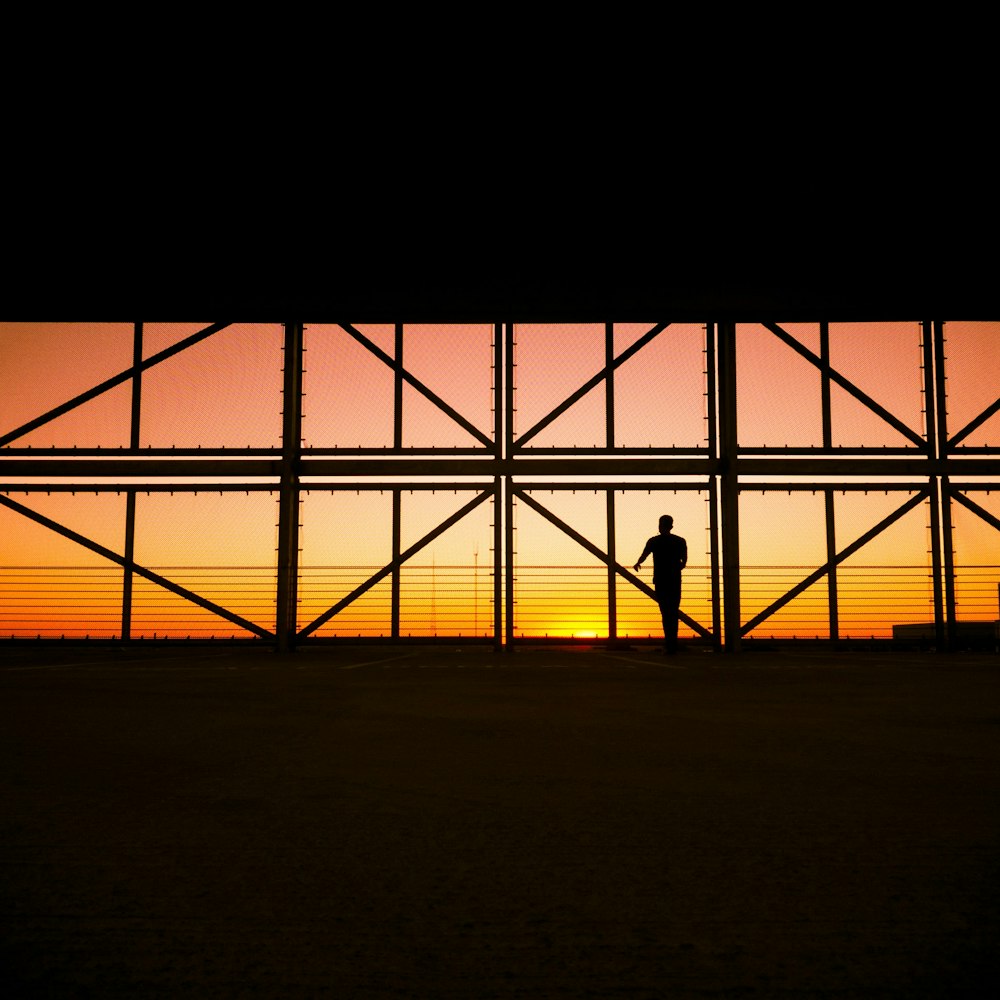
x,y
571,601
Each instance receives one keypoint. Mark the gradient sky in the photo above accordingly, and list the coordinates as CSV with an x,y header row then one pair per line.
x,y
226,391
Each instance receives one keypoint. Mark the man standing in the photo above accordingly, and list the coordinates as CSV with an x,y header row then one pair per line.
x,y
669,558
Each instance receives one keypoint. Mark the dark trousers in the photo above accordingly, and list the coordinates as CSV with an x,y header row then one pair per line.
x,y
668,596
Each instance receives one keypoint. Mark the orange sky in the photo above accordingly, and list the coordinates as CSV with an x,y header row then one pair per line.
x,y
226,391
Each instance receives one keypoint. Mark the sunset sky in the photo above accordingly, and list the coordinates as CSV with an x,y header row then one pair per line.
x,y
226,392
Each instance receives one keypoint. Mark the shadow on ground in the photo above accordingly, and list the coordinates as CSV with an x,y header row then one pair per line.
x,y
390,822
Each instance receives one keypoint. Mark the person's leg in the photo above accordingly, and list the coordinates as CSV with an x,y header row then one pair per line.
x,y
670,627
670,608
665,618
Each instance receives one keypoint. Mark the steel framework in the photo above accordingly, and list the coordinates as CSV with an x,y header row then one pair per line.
x,y
936,467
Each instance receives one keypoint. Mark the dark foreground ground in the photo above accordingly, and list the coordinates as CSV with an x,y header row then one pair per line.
x,y
548,823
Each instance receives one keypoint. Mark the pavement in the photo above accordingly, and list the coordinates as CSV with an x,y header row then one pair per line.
x,y
436,821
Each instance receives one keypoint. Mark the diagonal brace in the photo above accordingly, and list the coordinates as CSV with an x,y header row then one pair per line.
x,y
836,560
418,385
591,383
395,563
975,423
110,383
148,574
845,383
595,551
975,508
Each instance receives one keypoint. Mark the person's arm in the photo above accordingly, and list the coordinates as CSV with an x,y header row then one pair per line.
x,y
684,553
645,552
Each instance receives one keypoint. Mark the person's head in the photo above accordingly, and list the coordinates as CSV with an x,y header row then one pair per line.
x,y
666,523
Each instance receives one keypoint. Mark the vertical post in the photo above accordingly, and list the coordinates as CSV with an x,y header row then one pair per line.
x,y
397,496
824,355
609,441
499,425
134,438
397,521
934,480
509,547
397,394
712,432
832,595
930,389
612,573
508,486
136,385
609,386
713,533
936,571
127,571
947,540
947,544
729,483
286,617
498,563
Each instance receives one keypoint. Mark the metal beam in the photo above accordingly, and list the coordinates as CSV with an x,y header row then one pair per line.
x,y
501,418
497,565
44,454
129,562
582,468
88,468
948,550
397,532
288,499
829,509
929,391
875,466
947,535
974,507
465,424
934,449
446,486
728,449
102,387
975,424
846,383
507,507
832,597
824,385
612,563
937,583
839,558
147,574
609,386
397,390
714,527
872,486
591,383
134,440
609,496
940,391
458,485
386,570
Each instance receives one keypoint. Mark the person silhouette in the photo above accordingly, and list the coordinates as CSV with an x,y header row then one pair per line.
x,y
669,553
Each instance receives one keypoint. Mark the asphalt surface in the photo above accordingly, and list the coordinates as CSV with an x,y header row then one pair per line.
x,y
429,822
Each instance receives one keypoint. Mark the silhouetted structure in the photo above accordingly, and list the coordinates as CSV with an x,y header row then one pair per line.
x,y
928,462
